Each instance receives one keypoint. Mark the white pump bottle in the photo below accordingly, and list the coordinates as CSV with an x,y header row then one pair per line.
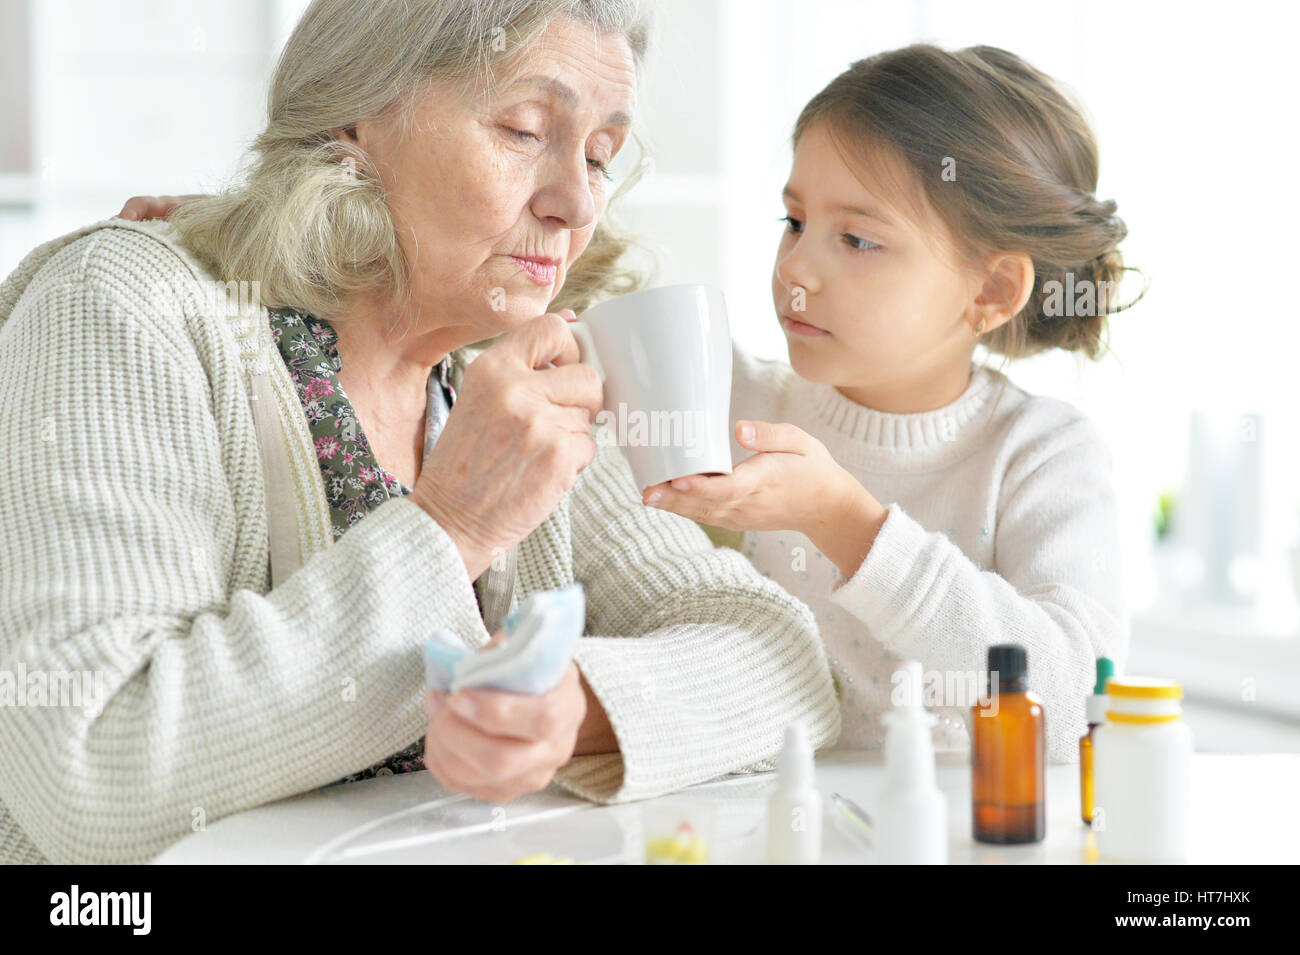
x,y
912,814
794,814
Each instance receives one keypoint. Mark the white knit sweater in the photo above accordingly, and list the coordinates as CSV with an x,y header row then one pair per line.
x,y
1001,529
134,544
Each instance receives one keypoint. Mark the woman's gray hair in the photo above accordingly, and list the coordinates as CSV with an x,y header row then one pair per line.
x,y
309,220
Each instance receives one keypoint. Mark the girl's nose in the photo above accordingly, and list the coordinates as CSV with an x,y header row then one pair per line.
x,y
794,271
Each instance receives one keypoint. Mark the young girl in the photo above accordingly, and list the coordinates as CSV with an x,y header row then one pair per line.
x,y
925,507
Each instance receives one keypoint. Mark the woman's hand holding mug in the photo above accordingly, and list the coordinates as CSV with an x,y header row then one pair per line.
x,y
516,440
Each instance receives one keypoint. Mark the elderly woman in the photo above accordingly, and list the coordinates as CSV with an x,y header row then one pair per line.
x,y
243,511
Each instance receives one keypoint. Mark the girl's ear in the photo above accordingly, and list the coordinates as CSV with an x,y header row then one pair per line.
x,y
1008,283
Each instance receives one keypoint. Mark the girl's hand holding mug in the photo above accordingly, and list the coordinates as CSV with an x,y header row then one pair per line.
x,y
791,482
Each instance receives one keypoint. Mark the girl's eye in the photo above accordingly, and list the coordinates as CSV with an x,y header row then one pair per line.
x,y
792,225
860,245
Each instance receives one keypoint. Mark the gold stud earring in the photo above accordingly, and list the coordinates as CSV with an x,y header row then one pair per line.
x,y
979,329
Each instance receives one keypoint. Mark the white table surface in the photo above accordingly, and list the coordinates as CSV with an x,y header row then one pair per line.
x,y
1244,807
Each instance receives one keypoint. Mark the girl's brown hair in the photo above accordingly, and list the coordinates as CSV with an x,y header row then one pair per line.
x,y
1007,160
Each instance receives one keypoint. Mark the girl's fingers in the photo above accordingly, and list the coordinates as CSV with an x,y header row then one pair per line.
x,y
698,495
709,487
151,207
654,492
133,208
690,504
772,436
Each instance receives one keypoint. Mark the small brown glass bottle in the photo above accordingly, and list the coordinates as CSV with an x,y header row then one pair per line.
x,y
1008,791
1095,708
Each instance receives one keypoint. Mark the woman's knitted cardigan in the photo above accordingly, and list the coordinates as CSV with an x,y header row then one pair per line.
x,y
165,549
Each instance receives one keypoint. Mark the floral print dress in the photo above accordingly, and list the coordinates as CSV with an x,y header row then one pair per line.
x,y
355,483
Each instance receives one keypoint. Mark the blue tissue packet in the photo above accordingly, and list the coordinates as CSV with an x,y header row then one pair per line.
x,y
441,651
542,635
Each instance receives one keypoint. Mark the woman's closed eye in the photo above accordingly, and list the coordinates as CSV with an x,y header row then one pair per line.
x,y
526,136
793,225
522,133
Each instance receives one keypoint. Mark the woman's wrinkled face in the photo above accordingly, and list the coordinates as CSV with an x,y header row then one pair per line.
x,y
885,302
495,198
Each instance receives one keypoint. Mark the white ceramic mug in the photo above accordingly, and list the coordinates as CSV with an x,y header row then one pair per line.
x,y
664,355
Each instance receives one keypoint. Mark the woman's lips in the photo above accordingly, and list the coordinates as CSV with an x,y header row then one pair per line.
x,y
542,271
802,328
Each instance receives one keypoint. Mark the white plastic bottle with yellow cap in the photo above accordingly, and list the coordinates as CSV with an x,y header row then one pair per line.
x,y
1143,770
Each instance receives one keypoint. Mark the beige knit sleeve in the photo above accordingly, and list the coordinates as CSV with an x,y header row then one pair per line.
x,y
1057,588
698,659
129,525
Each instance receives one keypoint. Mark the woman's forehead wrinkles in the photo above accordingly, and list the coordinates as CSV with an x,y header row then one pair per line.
x,y
565,94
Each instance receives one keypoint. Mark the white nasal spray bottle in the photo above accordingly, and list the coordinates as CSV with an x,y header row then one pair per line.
x,y
912,818
794,814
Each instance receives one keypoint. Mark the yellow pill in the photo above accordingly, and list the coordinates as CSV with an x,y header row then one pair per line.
x,y
696,853
667,849
543,858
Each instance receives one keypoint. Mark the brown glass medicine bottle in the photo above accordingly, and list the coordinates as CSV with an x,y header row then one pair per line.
x,y
1008,755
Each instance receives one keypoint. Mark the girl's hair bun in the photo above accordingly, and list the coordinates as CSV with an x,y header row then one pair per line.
x,y
1024,170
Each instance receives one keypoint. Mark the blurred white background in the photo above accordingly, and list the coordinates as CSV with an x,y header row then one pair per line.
x,y
103,100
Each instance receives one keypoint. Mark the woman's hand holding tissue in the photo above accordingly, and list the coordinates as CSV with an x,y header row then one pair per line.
x,y
503,719
497,745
